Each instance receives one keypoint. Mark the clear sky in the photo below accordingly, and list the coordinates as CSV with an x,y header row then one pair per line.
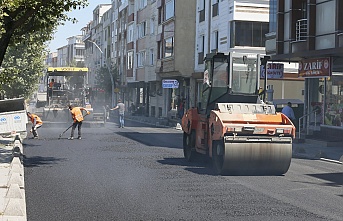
x,y
69,29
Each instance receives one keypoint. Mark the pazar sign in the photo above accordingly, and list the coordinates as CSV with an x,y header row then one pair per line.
x,y
315,68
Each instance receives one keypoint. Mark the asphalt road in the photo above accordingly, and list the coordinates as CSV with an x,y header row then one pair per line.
x,y
138,173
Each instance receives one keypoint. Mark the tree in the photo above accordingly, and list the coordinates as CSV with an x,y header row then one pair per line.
x,y
104,80
20,19
21,69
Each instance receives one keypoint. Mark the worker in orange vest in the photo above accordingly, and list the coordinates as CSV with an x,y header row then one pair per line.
x,y
36,123
76,113
51,85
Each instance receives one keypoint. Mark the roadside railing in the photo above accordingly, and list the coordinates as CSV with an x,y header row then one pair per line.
x,y
306,122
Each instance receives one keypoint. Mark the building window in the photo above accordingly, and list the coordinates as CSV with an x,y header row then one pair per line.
x,y
141,29
142,4
272,15
160,15
201,46
215,8
169,47
140,59
245,33
159,50
130,31
169,9
79,52
152,26
202,10
129,60
215,41
151,61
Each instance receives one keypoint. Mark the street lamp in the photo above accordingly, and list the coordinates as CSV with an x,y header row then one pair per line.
x,y
109,72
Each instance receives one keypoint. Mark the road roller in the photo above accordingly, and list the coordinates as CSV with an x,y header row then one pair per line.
x,y
232,125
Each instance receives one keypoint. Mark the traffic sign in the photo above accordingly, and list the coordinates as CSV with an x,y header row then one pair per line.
x,y
170,83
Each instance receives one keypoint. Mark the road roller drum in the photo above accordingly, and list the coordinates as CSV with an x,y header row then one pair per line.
x,y
251,158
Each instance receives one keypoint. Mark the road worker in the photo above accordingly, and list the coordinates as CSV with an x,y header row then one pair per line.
x,y
76,113
36,123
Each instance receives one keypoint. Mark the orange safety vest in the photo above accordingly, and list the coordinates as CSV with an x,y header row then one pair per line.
x,y
38,120
77,114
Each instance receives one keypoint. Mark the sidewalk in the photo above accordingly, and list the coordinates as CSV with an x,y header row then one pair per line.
x,y
319,150
12,188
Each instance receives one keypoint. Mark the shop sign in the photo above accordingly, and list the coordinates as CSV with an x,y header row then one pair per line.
x,y
71,69
274,70
315,68
170,83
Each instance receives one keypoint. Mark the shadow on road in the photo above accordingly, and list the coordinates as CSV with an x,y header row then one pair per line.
x,y
334,179
156,139
201,165
36,161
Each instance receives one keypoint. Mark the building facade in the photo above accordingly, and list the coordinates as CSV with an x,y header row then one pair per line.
x,y
309,32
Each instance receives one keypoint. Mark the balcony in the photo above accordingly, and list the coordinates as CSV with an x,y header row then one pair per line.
x,y
301,30
301,36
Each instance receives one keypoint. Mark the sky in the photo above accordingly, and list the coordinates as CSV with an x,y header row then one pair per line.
x,y
69,29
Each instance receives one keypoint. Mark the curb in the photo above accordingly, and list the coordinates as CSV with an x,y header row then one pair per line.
x,y
12,185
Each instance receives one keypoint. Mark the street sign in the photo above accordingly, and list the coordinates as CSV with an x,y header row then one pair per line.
x,y
170,83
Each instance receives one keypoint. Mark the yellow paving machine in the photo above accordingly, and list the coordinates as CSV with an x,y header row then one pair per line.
x,y
67,86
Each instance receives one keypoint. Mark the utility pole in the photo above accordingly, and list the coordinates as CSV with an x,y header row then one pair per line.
x,y
109,72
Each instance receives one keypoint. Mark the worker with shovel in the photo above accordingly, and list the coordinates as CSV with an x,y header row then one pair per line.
x,y
76,113
36,123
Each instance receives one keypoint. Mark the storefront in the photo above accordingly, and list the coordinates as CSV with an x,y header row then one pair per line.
x,y
323,96
334,100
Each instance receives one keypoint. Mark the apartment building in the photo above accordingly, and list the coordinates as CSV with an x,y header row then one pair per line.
x,y
228,26
51,59
147,53
175,52
309,32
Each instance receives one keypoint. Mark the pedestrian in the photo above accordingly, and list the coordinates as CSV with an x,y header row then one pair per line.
x,y
121,107
181,108
288,111
36,123
76,113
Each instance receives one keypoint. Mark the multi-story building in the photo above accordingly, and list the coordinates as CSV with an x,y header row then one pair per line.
x,y
62,56
175,40
141,50
71,54
94,42
309,32
239,26
51,60
228,26
75,51
123,59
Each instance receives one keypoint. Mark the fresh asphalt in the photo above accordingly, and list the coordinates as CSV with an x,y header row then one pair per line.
x,y
309,150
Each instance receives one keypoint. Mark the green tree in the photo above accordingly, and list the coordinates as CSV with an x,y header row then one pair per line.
x,y
22,19
103,79
21,70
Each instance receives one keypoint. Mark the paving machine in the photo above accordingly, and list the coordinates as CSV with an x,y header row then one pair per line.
x,y
241,133
67,86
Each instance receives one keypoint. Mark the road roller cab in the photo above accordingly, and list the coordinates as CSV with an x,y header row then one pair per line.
x,y
241,133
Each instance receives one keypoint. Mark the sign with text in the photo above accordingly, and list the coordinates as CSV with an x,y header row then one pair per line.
x,y
54,69
274,71
170,83
315,68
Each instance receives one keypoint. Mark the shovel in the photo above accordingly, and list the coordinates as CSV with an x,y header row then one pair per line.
x,y
68,128
65,131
